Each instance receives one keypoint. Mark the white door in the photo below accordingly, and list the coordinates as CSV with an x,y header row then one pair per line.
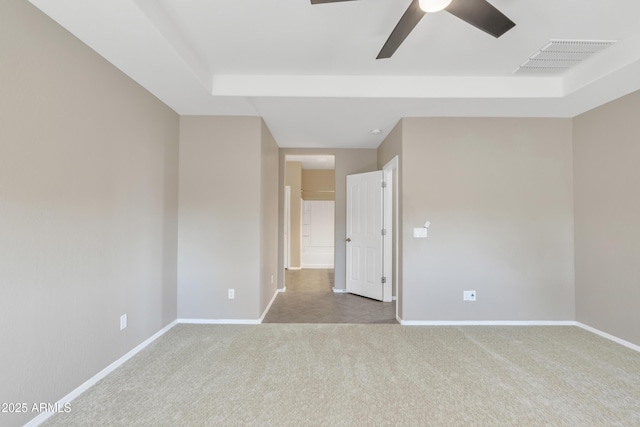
x,y
364,238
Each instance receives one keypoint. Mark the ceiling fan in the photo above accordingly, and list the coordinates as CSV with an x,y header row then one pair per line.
x,y
478,13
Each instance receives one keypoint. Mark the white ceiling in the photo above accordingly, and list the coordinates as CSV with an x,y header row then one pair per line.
x,y
311,73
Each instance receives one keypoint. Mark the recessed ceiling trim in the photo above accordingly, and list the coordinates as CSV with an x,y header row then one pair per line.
x,y
386,86
324,116
155,13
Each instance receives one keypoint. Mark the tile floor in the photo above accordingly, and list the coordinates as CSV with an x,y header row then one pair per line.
x,y
309,298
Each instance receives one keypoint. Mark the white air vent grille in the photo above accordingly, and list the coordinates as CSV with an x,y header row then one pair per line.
x,y
559,55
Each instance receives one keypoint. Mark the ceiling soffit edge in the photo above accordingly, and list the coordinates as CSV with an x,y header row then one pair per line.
x,y
387,86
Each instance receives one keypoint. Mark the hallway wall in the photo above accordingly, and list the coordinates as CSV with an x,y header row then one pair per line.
x,y
293,178
228,217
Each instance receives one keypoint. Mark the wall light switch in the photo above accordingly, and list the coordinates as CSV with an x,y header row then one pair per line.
x,y
420,233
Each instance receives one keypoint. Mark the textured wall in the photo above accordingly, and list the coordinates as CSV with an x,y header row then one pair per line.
x,y
88,211
607,213
499,194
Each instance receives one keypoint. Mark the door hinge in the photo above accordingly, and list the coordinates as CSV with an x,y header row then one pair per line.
x,y
384,231
384,279
384,184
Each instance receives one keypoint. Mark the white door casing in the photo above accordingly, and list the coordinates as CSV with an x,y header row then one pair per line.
x,y
287,226
365,240
391,248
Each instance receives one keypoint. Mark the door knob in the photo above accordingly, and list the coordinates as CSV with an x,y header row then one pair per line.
x,y
348,239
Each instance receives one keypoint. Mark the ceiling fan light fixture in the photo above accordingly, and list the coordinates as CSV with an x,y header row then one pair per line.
x,y
431,6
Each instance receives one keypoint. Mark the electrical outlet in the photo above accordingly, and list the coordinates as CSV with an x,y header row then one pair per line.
x,y
469,295
123,321
232,293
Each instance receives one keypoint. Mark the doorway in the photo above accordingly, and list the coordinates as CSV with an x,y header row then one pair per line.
x,y
309,217
299,302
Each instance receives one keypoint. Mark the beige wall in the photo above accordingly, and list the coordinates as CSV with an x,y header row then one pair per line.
x,y
607,214
348,161
498,193
219,219
318,184
269,158
293,179
389,148
88,211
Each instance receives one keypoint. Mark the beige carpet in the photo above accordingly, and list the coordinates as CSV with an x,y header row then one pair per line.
x,y
367,375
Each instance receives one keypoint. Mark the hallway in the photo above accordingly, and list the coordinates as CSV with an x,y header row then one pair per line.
x,y
309,298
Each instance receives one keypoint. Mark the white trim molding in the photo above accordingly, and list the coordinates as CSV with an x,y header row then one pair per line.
x,y
283,289
266,310
315,266
392,171
339,291
233,321
588,328
613,338
220,321
100,375
487,322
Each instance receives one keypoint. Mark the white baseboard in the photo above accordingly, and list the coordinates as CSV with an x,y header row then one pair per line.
x,y
613,338
283,289
294,268
339,291
266,310
220,321
100,375
232,321
487,322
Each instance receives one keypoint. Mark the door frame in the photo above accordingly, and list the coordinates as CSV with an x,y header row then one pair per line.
x,y
392,212
287,226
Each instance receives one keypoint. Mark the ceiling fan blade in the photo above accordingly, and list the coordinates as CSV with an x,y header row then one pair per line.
x,y
409,20
327,1
481,15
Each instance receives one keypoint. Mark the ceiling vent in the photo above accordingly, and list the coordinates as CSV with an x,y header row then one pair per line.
x,y
558,56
